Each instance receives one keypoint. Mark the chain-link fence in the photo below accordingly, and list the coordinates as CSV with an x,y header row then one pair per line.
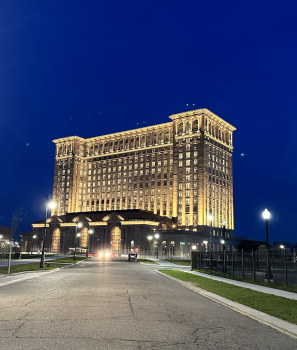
x,y
275,267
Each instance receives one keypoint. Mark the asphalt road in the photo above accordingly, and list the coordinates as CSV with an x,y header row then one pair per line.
x,y
121,305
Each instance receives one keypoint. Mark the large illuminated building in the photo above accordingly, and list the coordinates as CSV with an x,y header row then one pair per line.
x,y
181,170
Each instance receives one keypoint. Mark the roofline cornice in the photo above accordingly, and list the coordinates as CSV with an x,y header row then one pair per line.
x,y
114,135
202,111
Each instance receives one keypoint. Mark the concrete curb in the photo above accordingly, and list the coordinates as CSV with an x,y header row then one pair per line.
x,y
274,322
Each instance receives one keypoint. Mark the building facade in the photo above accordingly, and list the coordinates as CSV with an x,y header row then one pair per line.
x,y
120,232
181,170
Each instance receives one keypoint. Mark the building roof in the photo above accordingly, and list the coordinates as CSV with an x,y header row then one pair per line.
x,y
95,216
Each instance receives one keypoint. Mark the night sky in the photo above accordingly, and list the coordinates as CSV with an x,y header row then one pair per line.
x,y
90,68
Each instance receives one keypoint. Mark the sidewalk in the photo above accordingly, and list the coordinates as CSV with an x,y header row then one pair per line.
x,y
267,290
164,263
280,325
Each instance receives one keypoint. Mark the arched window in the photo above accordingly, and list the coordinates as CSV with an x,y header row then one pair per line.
x,y
164,227
101,148
116,145
188,126
137,141
180,128
160,137
164,248
132,143
96,149
195,125
106,147
154,139
172,248
83,239
167,136
56,240
143,141
148,139
115,238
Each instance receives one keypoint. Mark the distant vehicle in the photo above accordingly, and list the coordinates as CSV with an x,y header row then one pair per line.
x,y
132,256
104,255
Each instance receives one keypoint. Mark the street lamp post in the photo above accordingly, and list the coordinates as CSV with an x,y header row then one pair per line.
x,y
210,218
89,233
157,238
224,235
79,224
266,216
150,239
48,205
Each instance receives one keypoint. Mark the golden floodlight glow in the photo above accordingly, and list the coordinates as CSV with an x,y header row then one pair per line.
x,y
149,238
266,214
157,235
194,247
79,224
51,205
205,242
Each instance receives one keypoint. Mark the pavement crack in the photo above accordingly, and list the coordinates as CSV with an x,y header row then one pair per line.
x,y
129,298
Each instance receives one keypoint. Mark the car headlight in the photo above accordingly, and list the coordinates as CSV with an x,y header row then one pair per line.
x,y
100,255
107,255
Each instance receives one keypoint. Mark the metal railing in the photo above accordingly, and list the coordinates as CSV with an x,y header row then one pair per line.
x,y
275,267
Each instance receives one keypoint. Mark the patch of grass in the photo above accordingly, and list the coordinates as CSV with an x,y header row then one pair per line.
x,y
68,260
273,305
292,289
180,262
146,261
27,267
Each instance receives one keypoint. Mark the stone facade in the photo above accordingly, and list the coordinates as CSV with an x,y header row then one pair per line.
x,y
120,232
181,169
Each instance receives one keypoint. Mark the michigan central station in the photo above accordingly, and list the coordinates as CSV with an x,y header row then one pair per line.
x,y
161,188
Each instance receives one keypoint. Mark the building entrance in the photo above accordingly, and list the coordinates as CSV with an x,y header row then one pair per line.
x,y
115,239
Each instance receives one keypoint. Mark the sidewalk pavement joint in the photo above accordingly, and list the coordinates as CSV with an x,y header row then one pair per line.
x,y
274,322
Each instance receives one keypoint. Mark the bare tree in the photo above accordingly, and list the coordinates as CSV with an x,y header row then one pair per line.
x,y
14,222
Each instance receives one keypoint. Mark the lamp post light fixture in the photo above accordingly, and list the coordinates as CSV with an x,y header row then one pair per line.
x,y
78,225
224,234
194,247
157,236
48,205
88,243
210,218
266,217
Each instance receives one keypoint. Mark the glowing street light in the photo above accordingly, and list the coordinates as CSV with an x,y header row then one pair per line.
x,y
48,205
210,218
77,234
266,217
90,232
194,247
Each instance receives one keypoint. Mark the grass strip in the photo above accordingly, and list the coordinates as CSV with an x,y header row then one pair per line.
x,y
27,267
179,262
68,260
290,288
273,305
146,261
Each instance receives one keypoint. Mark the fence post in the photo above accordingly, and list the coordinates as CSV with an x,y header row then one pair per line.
x,y
211,259
267,267
242,263
193,260
233,262
253,261
286,270
200,260
224,261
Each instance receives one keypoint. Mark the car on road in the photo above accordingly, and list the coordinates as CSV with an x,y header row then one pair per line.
x,y
132,256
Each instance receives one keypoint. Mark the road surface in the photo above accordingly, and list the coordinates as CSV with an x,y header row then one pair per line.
x,y
115,304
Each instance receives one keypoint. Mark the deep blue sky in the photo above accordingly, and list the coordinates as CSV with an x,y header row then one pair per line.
x,y
94,67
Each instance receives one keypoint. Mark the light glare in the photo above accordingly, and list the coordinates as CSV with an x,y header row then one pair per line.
x,y
266,214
